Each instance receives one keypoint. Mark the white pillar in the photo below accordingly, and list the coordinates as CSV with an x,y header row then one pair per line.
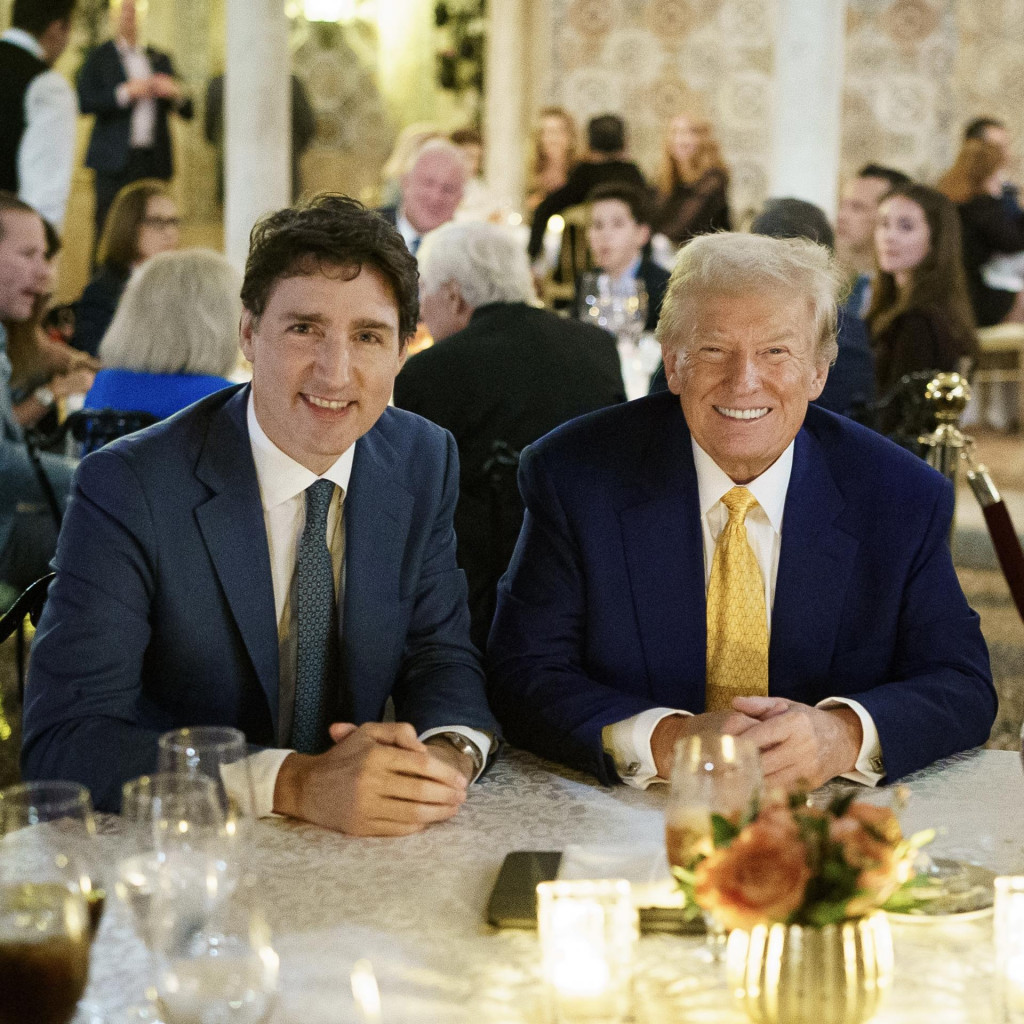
x,y
808,100
503,114
257,119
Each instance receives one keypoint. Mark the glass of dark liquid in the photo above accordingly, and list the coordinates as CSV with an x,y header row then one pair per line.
x,y
49,906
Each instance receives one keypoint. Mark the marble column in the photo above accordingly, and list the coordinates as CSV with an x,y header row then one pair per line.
x,y
808,100
257,119
503,112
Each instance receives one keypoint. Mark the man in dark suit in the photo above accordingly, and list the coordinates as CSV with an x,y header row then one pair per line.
x,y
500,374
431,192
132,90
618,235
606,137
278,558
726,559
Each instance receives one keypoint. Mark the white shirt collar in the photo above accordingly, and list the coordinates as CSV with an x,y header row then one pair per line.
x,y
124,47
405,228
769,488
279,476
27,41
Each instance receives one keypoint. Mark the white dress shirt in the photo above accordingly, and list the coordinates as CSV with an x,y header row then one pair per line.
x,y
410,235
46,154
629,741
136,65
283,483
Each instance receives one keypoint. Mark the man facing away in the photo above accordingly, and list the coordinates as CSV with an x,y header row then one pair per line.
x,y
280,558
501,373
132,90
431,192
724,558
28,532
37,107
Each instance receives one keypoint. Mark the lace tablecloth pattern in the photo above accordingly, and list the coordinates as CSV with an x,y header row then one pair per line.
x,y
415,906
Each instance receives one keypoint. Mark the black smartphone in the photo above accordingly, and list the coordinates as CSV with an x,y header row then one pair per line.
x,y
513,902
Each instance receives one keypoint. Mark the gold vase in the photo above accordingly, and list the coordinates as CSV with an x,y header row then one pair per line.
x,y
793,974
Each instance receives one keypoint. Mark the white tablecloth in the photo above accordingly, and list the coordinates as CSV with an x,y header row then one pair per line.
x,y
415,906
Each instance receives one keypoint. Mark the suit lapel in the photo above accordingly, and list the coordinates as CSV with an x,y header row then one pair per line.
x,y
378,515
661,536
815,565
231,524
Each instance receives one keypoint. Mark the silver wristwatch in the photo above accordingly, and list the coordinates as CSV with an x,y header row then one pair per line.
x,y
465,746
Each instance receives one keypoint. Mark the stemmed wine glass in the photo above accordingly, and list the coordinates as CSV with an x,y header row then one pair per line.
x,y
222,755
178,860
45,912
226,971
711,775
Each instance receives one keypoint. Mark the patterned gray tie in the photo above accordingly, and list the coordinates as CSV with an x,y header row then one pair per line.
x,y
316,661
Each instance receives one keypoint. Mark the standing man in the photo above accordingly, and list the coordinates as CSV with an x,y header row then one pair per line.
x,y
431,192
37,107
280,558
501,373
727,558
855,229
132,91
28,533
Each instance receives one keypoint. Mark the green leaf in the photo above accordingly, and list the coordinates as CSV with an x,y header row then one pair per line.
x,y
723,831
821,914
841,804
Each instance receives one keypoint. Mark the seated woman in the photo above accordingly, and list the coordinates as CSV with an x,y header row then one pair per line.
x,y
694,182
555,146
920,314
174,337
990,229
142,222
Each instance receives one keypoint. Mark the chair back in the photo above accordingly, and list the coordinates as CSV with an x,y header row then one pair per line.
x,y
574,258
28,605
93,428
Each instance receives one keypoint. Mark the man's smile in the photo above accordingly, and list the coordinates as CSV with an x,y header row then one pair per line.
x,y
742,414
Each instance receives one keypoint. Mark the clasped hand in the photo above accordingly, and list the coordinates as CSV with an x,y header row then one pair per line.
x,y
377,780
799,744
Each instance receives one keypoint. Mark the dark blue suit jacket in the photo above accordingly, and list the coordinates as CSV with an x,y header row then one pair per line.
x,y
162,612
110,141
602,615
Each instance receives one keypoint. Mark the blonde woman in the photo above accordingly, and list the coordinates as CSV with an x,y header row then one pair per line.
x,y
555,152
694,182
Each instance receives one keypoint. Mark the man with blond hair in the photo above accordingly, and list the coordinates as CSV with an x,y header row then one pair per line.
x,y
726,558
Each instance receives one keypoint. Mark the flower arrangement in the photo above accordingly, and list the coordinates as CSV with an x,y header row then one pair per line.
x,y
790,863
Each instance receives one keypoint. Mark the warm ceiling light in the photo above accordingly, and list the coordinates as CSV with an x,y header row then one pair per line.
x,y
329,10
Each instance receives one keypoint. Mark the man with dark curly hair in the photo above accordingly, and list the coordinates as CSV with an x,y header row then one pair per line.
x,y
279,557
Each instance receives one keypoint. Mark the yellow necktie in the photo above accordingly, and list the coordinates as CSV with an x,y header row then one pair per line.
x,y
737,664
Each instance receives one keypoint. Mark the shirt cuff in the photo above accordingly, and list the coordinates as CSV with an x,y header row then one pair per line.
x,y
629,745
480,740
870,768
263,768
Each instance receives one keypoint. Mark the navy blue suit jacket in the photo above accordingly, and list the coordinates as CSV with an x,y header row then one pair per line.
x,y
110,141
162,612
602,614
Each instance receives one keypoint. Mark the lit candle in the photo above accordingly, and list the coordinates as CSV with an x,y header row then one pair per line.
x,y
588,933
1008,988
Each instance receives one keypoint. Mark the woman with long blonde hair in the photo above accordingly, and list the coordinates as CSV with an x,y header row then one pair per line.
x,y
991,232
693,183
555,152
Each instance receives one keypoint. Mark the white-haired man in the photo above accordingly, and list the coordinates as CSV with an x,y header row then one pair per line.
x,y
432,189
502,373
666,541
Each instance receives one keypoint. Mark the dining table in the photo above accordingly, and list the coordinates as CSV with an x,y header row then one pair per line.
x,y
415,907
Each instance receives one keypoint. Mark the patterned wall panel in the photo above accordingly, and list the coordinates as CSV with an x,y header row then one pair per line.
x,y
649,59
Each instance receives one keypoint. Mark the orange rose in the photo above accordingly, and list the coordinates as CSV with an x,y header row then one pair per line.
x,y
760,878
868,837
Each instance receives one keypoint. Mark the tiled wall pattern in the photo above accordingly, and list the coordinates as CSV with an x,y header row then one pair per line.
x,y
915,71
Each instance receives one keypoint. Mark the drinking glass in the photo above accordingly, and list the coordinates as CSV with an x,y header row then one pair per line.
x,y
176,845
226,971
221,754
594,298
711,775
44,907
